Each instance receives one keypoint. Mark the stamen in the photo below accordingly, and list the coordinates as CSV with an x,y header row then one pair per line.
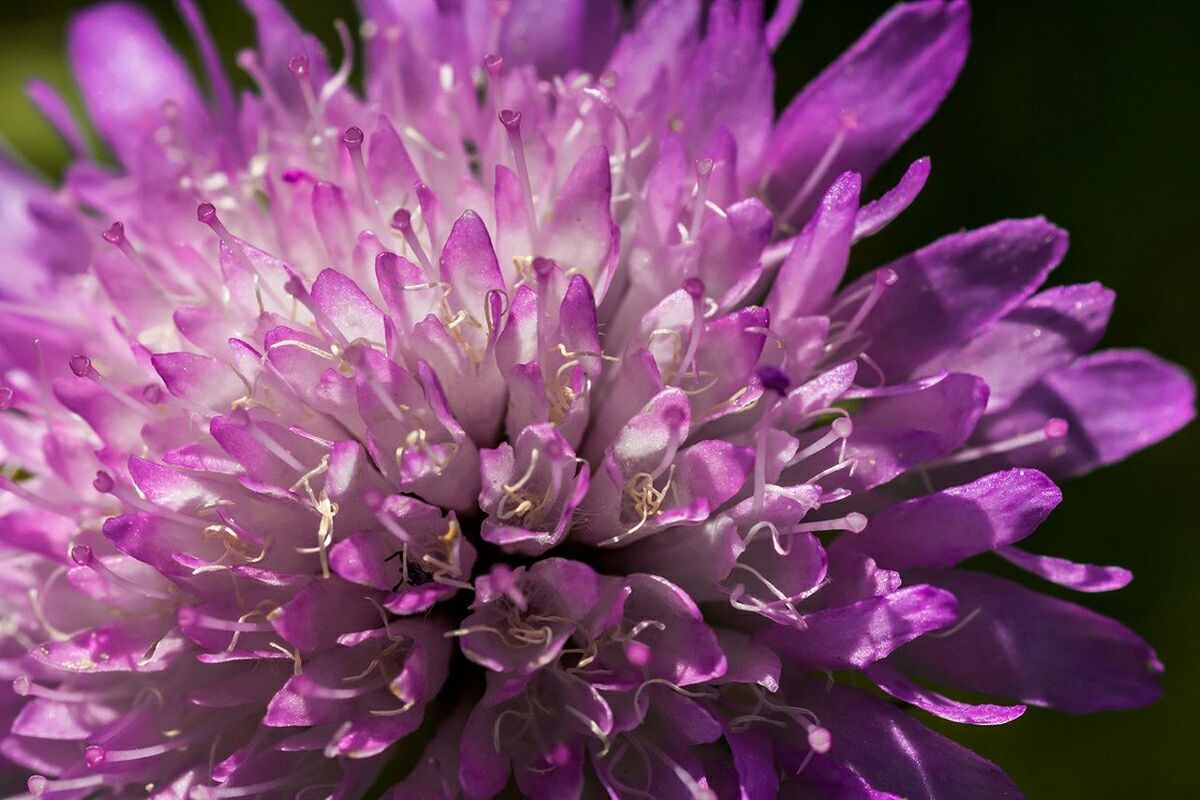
x,y
342,76
427,202
511,120
39,785
543,268
775,381
402,222
695,290
82,555
839,430
1055,428
22,686
704,168
846,123
115,235
353,139
299,66
883,279
95,755
853,522
295,287
207,214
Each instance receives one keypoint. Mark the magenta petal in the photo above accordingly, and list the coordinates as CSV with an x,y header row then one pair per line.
x,y
879,213
1016,643
869,101
1115,402
127,72
953,288
1073,575
895,753
942,529
815,266
864,632
892,681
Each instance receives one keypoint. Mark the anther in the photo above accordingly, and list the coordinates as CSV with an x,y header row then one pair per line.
x,y
774,380
82,367
298,66
493,62
402,222
114,234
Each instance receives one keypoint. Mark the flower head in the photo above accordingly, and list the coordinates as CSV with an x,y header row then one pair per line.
x,y
516,406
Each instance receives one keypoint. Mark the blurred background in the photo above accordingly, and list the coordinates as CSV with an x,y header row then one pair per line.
x,y
1086,112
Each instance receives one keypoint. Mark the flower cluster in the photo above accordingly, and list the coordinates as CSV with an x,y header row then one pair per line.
x,y
509,423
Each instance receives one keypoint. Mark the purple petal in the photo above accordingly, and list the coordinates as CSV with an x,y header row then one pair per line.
x,y
950,290
869,101
1115,403
942,529
896,753
892,681
1071,574
878,214
127,72
731,84
1048,331
859,634
557,36
581,234
815,266
1016,643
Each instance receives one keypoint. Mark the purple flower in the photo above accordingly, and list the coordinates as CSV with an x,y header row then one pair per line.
x,y
511,424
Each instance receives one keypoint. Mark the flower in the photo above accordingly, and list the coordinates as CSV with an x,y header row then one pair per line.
x,y
510,423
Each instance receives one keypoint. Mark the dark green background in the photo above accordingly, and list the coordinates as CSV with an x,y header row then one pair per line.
x,y
1087,112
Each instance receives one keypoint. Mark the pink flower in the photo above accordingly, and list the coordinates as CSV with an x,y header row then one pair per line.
x,y
518,404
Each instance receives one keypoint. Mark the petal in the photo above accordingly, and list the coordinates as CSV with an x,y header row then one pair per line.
x,y
942,529
730,83
1115,402
198,378
469,264
952,289
896,753
878,214
892,681
817,261
1080,577
869,101
557,36
856,635
126,72
581,234
660,43
1014,642
1049,330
